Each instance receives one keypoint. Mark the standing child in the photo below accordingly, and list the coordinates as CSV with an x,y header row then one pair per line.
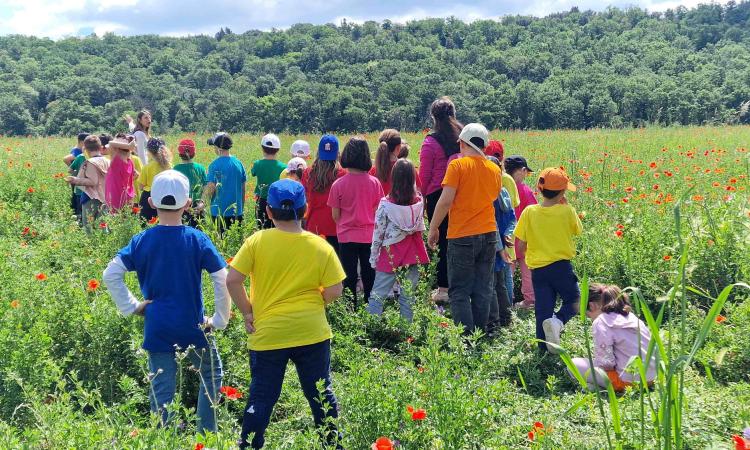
x,y
389,150
353,201
619,337
300,149
545,234
74,160
161,160
397,244
120,189
505,217
294,275
471,184
168,260
225,187
266,170
196,174
91,178
518,168
295,168
317,181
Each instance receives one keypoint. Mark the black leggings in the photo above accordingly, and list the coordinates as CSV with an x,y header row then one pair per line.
x,y
354,254
442,263
334,241
147,212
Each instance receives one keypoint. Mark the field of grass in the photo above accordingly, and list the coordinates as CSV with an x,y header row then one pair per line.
x,y
666,211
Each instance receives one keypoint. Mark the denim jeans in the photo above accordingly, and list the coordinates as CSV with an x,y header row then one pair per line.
x,y
163,366
550,281
383,287
509,283
313,364
500,306
471,261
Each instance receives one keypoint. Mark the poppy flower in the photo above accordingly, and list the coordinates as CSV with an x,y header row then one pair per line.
x,y
199,446
739,442
102,225
655,187
31,190
92,285
667,257
382,443
15,304
720,319
443,324
416,414
652,165
618,233
133,433
136,209
230,392
153,221
698,198
40,276
25,231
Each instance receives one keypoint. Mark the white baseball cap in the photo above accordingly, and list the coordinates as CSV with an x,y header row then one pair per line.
x,y
476,136
170,190
271,141
295,164
301,148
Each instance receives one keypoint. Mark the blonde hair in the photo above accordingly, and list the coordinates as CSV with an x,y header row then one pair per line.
x,y
163,156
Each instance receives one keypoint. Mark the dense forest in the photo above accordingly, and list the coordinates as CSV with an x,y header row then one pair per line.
x,y
576,69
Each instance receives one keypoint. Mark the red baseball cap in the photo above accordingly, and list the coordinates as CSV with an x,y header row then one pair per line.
x,y
186,147
495,148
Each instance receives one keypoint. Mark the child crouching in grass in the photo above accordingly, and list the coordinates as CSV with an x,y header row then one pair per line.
x,y
294,275
397,244
619,336
168,260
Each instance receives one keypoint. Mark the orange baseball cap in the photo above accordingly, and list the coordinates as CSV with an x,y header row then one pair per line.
x,y
555,179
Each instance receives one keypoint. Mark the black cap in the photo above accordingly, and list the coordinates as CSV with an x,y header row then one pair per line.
x,y
515,162
221,140
82,136
155,144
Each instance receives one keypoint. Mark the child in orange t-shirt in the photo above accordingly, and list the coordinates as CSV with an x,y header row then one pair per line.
x,y
471,184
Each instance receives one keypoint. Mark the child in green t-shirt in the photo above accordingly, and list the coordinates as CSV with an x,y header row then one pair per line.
x,y
196,175
266,170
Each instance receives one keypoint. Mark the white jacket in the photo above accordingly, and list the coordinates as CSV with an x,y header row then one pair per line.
x,y
393,223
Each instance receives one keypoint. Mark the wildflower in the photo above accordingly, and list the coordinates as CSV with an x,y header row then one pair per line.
x,y
136,209
720,319
733,180
416,414
41,276
443,324
625,200
618,233
133,433
739,442
652,165
25,231
199,446
730,188
656,187
27,165
230,392
698,198
153,221
15,304
667,257
31,190
536,430
382,443
92,285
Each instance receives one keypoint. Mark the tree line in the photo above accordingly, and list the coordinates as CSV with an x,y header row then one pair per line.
x,y
577,69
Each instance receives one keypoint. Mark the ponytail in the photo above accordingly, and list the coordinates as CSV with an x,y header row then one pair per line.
x,y
163,156
610,297
445,128
388,140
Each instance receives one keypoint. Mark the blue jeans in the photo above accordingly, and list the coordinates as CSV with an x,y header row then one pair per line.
x,y
471,279
550,281
383,287
313,364
163,366
509,283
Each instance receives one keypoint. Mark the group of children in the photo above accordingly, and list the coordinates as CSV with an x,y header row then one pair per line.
x,y
325,227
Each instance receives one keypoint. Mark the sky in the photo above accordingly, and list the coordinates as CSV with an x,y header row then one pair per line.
x,y
61,18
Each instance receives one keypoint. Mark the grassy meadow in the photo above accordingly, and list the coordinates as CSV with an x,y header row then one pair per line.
x,y
665,211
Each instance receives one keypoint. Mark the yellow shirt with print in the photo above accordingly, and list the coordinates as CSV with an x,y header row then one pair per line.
x,y
288,272
138,166
150,172
510,185
548,233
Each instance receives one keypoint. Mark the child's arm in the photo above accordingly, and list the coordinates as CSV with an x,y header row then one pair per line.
x,y
381,222
336,214
68,160
521,245
114,279
236,287
222,305
441,210
82,180
331,293
208,192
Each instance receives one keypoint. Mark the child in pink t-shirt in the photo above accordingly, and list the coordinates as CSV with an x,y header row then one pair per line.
x,y
353,200
397,244
119,183
518,168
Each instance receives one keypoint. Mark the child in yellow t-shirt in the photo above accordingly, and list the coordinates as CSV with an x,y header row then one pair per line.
x,y
293,274
545,233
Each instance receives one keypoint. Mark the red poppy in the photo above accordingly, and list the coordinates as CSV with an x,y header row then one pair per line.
x,y
25,231
667,257
199,446
92,285
136,209
103,225
652,165
720,319
618,233
656,187
443,324
416,414
15,304
230,392
41,276
153,221
739,442
31,190
382,443
531,435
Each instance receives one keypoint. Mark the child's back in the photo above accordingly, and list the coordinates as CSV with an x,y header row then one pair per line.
x,y
357,195
548,232
266,171
618,339
228,174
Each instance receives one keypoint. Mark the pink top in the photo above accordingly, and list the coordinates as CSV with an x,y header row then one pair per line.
x,y
617,339
432,165
357,196
411,250
527,198
119,189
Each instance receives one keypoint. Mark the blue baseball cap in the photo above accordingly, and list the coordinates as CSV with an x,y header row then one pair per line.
x,y
328,148
282,191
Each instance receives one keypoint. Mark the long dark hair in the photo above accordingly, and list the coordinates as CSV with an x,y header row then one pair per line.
x,y
323,174
388,140
445,128
138,126
610,297
403,189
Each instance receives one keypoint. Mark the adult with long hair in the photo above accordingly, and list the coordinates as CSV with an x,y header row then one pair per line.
x,y
437,148
142,133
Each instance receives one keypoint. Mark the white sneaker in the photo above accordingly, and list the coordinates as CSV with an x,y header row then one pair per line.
x,y
552,328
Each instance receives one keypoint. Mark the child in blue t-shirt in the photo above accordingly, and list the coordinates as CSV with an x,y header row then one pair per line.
x,y
168,260
225,184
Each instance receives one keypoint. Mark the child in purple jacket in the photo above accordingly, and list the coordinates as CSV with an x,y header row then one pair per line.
x,y
619,336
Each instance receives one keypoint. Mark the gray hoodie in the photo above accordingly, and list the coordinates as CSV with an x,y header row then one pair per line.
x,y
393,223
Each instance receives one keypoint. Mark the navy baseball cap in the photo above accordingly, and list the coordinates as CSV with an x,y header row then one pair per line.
x,y
286,194
328,148
516,162
221,140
